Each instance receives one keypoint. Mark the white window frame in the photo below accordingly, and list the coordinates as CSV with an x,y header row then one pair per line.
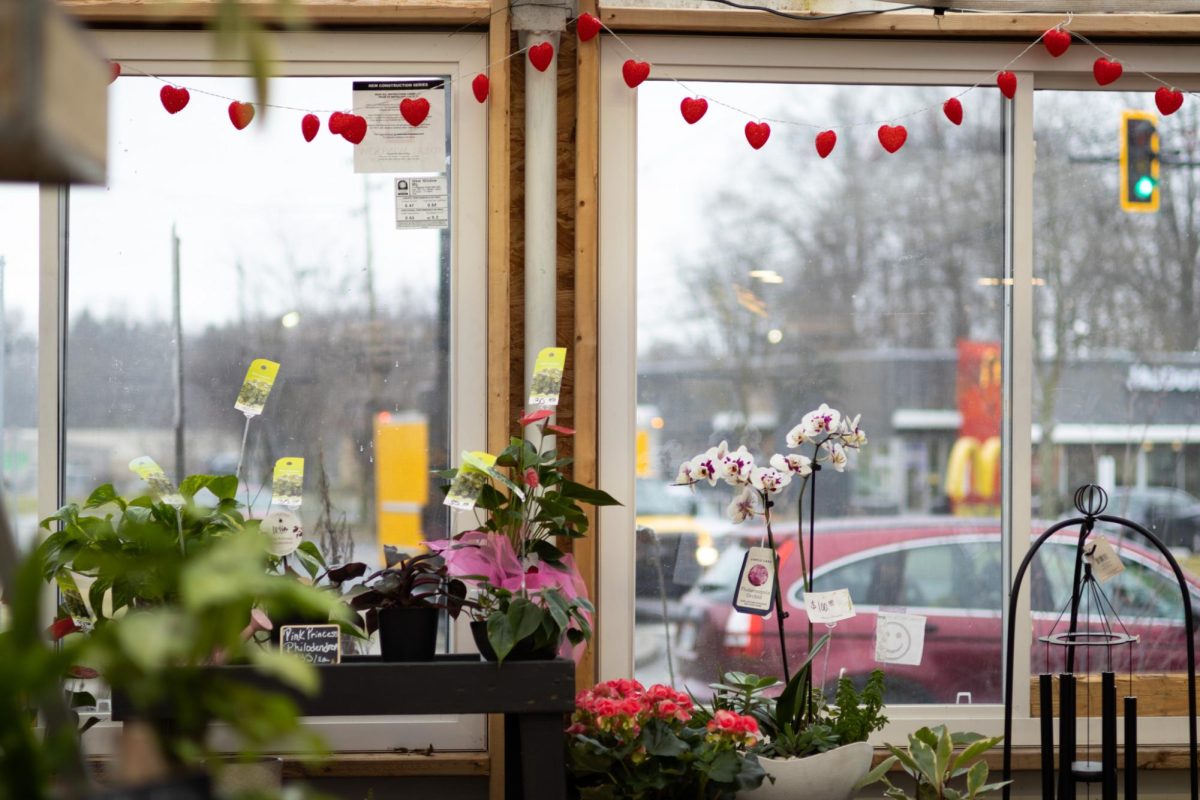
x,y
794,60
370,54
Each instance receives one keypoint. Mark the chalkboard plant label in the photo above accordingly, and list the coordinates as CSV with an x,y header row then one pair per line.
x,y
316,644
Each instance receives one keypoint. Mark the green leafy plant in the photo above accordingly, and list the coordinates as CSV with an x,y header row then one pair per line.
x,y
420,581
541,619
932,764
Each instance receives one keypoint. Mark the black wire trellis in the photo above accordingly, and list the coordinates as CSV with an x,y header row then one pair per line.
x,y
1091,501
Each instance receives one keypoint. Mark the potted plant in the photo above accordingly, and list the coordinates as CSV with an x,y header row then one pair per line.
x,y
933,766
807,745
530,601
404,602
626,741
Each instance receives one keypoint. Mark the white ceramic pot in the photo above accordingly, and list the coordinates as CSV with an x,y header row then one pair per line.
x,y
825,776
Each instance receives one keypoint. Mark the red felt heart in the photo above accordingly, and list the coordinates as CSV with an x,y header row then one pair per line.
x,y
635,72
354,128
1007,83
953,110
414,111
480,87
309,127
587,27
114,71
540,55
892,137
1057,41
1106,71
757,134
240,114
693,108
1168,100
337,122
174,98
825,143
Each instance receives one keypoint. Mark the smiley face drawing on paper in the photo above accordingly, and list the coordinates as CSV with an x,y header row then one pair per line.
x,y
892,641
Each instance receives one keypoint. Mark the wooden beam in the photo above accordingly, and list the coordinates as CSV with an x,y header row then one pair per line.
x,y
903,24
587,240
431,13
1158,694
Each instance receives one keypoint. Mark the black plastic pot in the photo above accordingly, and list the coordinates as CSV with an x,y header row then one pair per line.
x,y
522,650
408,634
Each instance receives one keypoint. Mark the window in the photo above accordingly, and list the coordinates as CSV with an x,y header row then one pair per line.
x,y
283,252
1061,326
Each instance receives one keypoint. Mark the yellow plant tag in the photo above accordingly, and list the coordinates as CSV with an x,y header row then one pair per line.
x,y
145,468
257,386
287,483
547,376
469,482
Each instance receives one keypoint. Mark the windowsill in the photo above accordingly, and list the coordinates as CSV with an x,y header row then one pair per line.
x,y
1030,758
368,765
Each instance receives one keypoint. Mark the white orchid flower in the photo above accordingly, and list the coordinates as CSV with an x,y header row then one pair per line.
x,y
769,480
797,436
742,507
824,420
704,468
736,466
792,463
852,435
686,476
835,454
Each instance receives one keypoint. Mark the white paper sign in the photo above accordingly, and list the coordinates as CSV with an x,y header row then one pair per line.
x,y
421,202
393,144
1106,564
284,533
899,638
829,607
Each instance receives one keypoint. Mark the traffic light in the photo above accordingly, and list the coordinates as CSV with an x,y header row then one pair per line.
x,y
1139,162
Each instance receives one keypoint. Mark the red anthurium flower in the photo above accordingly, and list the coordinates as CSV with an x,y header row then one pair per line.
x,y
560,430
531,478
535,416
62,627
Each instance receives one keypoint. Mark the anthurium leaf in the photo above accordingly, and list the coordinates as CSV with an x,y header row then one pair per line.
x,y
586,494
500,635
103,495
525,617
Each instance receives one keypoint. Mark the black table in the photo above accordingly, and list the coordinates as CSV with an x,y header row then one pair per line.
x,y
533,696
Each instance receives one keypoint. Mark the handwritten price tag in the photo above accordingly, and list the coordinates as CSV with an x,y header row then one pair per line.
x,y
829,607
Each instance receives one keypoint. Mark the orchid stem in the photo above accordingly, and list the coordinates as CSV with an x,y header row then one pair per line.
x,y
780,614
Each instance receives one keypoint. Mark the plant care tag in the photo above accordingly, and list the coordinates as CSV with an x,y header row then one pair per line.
x,y
756,582
547,376
829,607
284,533
257,386
146,469
486,463
316,644
899,638
469,482
1106,564
287,482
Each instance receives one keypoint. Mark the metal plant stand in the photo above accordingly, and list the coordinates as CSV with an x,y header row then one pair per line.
x,y
1102,632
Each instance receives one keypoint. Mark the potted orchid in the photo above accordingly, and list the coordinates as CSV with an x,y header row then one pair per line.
x,y
528,595
831,437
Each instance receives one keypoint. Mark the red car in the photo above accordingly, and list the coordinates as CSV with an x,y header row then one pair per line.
x,y
946,569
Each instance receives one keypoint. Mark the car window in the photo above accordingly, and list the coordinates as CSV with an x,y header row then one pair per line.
x,y
1140,592
953,575
873,580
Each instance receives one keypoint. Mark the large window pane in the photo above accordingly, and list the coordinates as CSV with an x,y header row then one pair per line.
x,y
1116,362
772,281
284,253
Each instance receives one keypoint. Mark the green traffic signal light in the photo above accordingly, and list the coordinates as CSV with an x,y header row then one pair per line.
x,y
1144,187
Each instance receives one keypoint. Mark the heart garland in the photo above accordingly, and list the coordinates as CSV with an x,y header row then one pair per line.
x,y
826,141
693,108
481,86
241,114
337,122
114,71
892,137
174,98
953,110
354,128
414,111
757,134
309,126
586,27
635,72
1105,71
540,55
1168,100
